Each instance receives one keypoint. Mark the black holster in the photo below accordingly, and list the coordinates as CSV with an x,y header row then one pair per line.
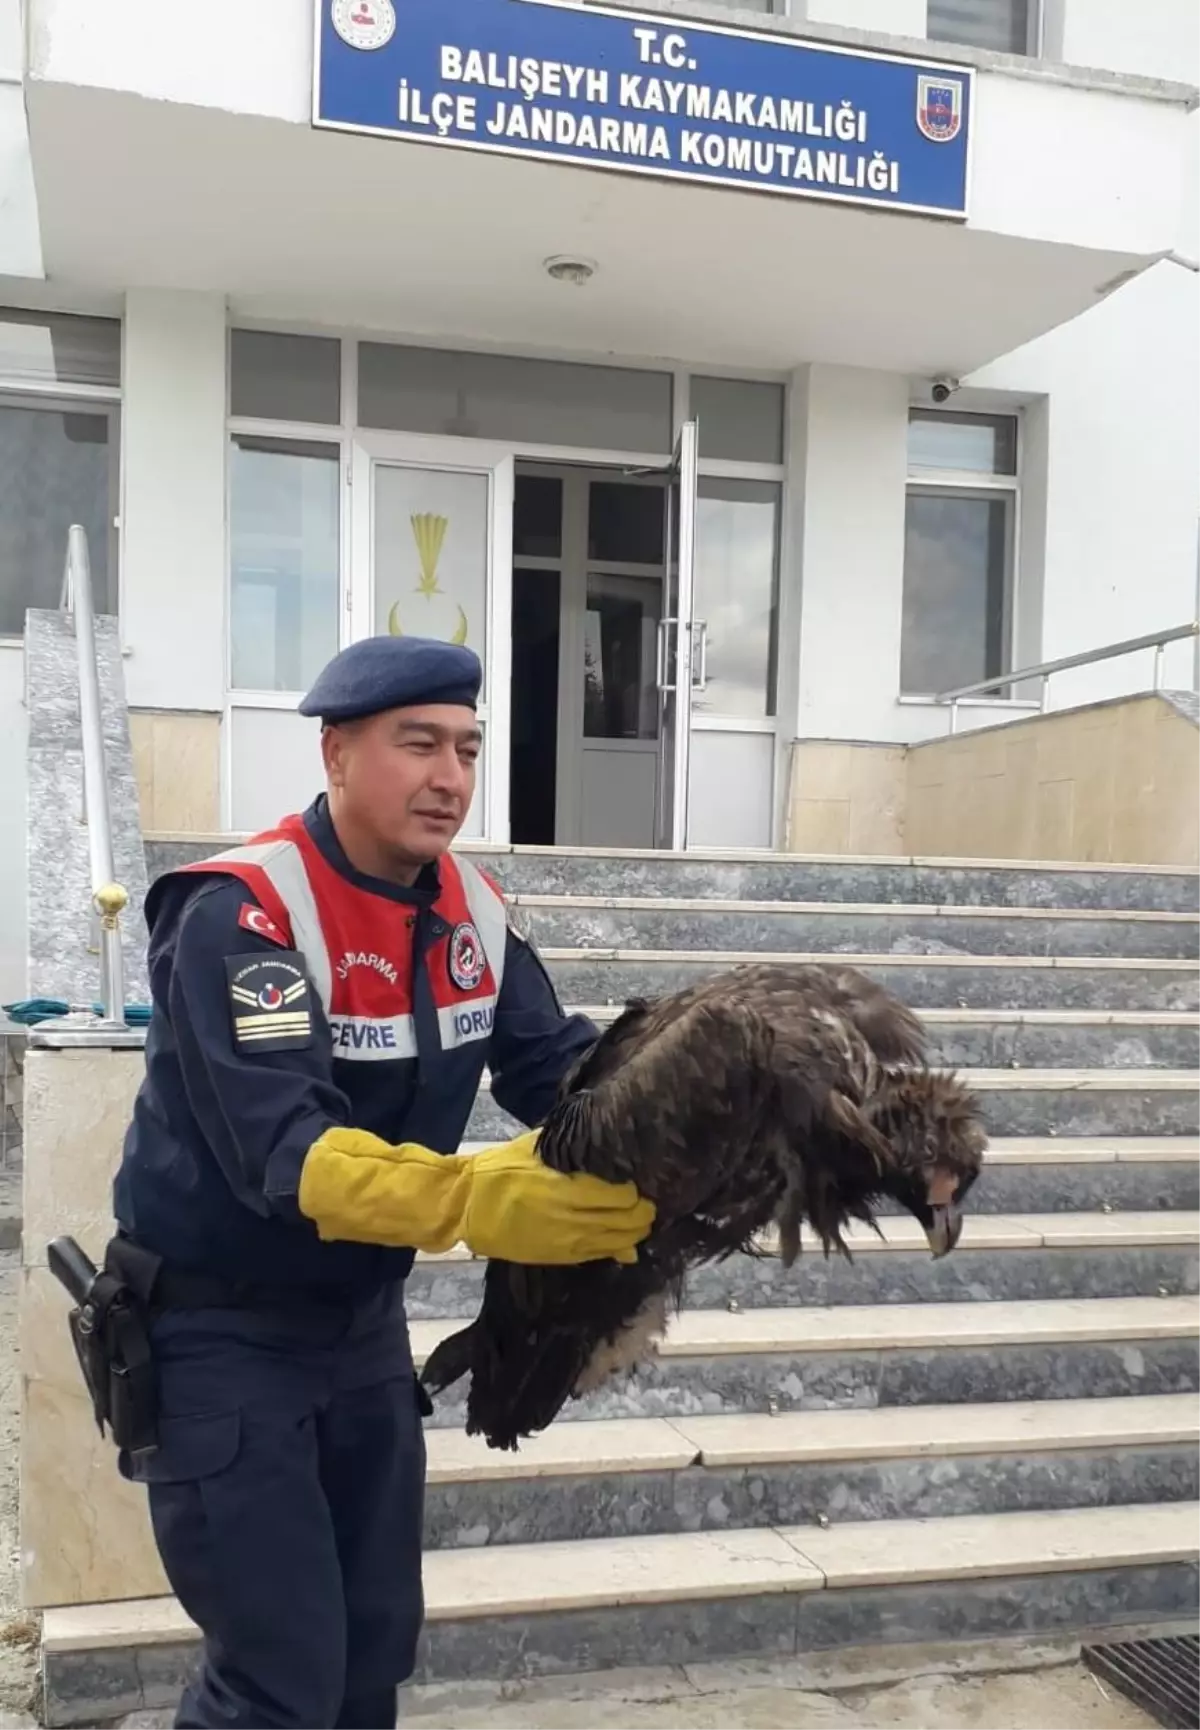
x,y
110,1330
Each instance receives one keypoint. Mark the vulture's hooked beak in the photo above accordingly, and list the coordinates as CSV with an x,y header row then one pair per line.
x,y
945,1229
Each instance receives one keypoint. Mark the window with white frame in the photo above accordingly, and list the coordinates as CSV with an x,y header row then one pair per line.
x,y
1008,26
738,511
60,379
959,550
284,509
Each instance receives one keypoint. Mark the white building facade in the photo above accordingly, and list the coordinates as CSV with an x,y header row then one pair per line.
x,y
904,401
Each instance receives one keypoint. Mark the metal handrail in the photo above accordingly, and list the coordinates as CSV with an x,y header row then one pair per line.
x,y
1045,670
108,896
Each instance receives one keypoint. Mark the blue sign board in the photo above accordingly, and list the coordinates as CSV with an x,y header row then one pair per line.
x,y
649,94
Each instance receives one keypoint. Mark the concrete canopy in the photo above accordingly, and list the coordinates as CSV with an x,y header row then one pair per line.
x,y
201,172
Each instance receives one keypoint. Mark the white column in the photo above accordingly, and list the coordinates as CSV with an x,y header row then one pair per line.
x,y
890,17
20,237
851,551
173,552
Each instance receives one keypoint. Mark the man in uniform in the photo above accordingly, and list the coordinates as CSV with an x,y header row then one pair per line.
x,y
325,1000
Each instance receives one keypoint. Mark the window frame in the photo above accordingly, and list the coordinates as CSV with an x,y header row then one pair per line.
x,y
1035,29
777,474
104,403
341,437
252,696
971,483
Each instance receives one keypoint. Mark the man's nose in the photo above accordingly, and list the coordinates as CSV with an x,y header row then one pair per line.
x,y
449,773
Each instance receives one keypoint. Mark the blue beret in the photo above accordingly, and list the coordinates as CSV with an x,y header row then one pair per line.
x,y
393,673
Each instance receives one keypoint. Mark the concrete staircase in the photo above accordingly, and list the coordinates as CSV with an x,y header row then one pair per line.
x,y
1000,1443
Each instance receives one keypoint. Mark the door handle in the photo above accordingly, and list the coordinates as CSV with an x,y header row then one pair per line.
x,y
700,679
661,650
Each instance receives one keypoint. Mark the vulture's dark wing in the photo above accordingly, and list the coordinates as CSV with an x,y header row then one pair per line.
x,y
790,996
765,1095
683,1101
671,1099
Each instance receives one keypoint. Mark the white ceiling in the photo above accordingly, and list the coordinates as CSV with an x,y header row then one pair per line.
x,y
440,243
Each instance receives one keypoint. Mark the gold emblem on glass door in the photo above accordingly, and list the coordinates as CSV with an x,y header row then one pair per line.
x,y
432,612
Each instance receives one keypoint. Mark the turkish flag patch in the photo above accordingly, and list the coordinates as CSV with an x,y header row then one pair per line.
x,y
252,918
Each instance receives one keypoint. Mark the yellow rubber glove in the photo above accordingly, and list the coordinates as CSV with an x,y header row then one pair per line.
x,y
502,1202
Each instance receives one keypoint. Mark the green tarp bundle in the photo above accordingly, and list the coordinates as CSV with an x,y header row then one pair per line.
x,y
35,1009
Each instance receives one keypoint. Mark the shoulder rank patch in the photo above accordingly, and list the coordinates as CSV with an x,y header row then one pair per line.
x,y
271,1001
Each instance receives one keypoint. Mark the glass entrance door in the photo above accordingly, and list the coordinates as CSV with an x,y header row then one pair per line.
x,y
431,556
675,645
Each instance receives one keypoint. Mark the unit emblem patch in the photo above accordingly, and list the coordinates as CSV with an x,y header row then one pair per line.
x,y
465,959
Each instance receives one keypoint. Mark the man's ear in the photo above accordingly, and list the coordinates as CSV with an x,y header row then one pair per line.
x,y
333,751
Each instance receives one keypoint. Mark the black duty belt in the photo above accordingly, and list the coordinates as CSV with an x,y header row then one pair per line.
x,y
178,1288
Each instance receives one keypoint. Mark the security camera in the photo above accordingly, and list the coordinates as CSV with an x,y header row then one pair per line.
x,y
942,389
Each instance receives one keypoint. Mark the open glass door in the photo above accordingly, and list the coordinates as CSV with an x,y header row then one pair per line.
x,y
675,644
431,556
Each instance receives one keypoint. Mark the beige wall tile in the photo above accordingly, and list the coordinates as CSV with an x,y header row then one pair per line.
x,y
822,770
1054,815
177,759
77,1108
85,1532
847,798
820,826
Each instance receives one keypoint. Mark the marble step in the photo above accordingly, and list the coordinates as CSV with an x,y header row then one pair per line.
x,y
633,922
1016,982
717,1363
1047,1185
1088,1173
623,1477
1068,1102
999,1258
1039,1039
783,877
542,1609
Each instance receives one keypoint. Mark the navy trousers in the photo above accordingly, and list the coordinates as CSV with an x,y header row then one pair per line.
x,y
287,1497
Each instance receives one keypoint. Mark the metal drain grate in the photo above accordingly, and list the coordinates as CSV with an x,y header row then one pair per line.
x,y
1160,1676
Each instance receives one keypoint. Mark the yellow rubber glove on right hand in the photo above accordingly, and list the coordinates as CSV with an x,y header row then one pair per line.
x,y
502,1202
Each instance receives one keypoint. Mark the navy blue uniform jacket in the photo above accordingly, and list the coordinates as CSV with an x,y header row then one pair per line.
x,y
212,1160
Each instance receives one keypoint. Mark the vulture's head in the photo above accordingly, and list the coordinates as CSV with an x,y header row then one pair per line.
x,y
923,1148
936,1134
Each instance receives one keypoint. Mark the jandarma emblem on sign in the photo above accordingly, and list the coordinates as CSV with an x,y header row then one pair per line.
x,y
939,108
364,23
645,94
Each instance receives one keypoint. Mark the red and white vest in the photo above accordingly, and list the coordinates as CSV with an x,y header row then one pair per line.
x,y
358,946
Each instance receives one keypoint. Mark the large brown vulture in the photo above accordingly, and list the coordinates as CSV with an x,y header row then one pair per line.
x,y
766,1096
